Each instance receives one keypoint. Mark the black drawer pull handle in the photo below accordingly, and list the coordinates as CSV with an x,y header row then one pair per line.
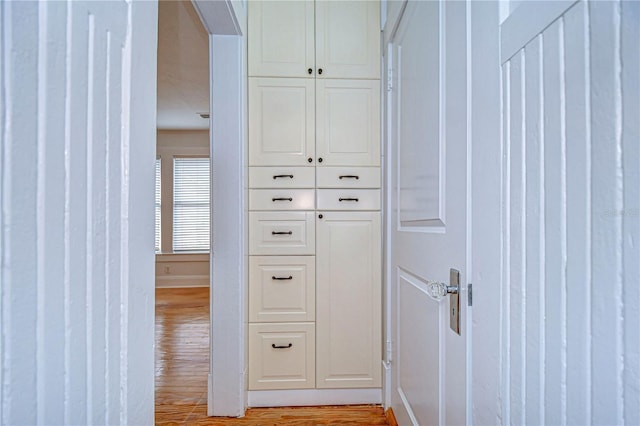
x,y
282,176
281,278
349,177
274,346
281,233
348,199
281,199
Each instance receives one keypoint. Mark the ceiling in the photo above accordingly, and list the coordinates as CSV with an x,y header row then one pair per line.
x,y
183,67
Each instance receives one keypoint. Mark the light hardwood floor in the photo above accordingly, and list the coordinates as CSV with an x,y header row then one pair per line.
x,y
182,365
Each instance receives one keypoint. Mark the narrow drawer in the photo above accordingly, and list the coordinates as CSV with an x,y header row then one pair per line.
x,y
348,199
281,199
282,288
348,177
281,356
282,233
282,177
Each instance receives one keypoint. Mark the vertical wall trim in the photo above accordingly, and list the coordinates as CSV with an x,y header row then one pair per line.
x,y
619,279
506,254
107,250
89,211
589,227
68,404
542,230
523,234
124,223
563,222
40,213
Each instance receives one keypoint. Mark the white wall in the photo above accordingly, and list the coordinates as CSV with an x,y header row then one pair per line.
x,y
178,269
76,237
571,218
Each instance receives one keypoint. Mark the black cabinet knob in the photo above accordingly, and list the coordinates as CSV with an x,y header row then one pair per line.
x,y
310,160
310,71
319,70
320,216
320,160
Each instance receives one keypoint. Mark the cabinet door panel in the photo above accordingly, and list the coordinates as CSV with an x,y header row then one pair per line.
x,y
281,121
348,122
281,38
348,39
348,300
282,288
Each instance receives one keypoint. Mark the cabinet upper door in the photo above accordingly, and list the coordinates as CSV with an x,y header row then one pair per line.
x,y
348,122
281,121
281,38
348,300
348,39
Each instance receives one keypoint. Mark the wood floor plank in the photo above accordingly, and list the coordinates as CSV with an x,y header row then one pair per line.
x,y
182,366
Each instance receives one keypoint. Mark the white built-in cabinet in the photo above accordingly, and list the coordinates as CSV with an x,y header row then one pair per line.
x,y
314,195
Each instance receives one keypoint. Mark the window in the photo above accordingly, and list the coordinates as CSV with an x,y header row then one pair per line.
x,y
191,204
158,204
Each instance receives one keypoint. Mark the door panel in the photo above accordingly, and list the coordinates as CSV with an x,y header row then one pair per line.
x,y
348,300
348,39
281,121
281,40
428,200
348,122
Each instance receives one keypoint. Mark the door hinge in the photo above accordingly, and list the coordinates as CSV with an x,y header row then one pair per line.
x,y
389,79
470,295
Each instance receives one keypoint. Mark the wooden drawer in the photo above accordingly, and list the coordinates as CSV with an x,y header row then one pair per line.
x,y
282,177
348,177
281,199
281,356
282,233
282,288
348,199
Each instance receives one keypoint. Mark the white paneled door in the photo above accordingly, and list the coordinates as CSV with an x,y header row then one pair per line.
x,y
427,228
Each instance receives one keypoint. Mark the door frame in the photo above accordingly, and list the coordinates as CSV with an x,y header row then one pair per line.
x,y
226,22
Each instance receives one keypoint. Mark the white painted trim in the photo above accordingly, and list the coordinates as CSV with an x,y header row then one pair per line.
x,y
176,281
228,263
304,397
182,257
528,20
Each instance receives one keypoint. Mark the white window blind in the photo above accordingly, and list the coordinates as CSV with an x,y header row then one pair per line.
x,y
158,204
190,204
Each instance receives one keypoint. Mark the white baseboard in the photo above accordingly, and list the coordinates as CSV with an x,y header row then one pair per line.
x,y
306,397
182,281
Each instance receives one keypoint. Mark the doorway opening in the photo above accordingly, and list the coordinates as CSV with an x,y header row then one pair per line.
x,y
183,219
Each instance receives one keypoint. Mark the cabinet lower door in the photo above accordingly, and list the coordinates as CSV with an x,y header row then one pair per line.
x,y
348,300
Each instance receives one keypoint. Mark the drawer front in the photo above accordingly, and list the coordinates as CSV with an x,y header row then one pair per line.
x,y
282,288
282,177
282,233
281,199
348,177
348,199
281,356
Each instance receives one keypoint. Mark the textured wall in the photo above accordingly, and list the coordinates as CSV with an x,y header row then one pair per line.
x,y
571,293
77,169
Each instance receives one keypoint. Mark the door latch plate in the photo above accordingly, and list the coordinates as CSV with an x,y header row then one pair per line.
x,y
454,301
